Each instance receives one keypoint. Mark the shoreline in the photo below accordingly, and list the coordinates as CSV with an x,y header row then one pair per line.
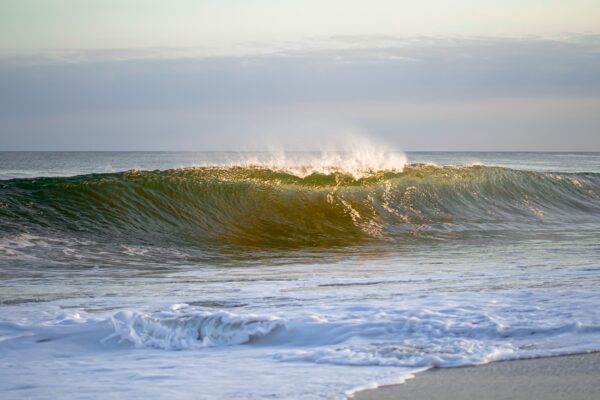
x,y
558,377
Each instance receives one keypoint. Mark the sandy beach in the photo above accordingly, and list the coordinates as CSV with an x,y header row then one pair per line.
x,y
566,377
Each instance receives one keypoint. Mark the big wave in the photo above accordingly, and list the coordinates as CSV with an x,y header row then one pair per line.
x,y
273,208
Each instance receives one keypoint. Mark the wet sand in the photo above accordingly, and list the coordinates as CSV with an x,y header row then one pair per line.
x,y
566,377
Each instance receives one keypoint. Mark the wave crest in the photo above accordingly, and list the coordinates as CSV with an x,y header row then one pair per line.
x,y
359,163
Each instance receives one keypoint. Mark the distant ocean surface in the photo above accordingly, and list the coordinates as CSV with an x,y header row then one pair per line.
x,y
223,275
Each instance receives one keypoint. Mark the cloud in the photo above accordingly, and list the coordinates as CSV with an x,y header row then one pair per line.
x,y
383,86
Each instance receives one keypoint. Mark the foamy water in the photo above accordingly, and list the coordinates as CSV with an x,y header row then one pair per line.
x,y
443,267
362,160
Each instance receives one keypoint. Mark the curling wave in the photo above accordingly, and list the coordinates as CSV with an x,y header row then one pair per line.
x,y
273,208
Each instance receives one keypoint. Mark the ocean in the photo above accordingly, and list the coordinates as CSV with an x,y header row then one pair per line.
x,y
228,275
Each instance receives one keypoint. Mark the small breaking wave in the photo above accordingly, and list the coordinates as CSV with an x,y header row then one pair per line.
x,y
419,338
191,331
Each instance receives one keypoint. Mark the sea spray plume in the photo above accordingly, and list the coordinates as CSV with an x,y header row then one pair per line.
x,y
356,156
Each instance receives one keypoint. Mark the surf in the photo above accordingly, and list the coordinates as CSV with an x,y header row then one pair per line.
x,y
252,205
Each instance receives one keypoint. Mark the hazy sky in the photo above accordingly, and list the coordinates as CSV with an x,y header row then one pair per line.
x,y
210,75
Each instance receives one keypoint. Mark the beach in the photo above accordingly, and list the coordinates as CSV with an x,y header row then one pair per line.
x,y
564,377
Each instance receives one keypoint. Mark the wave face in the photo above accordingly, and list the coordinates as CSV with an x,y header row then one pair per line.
x,y
212,207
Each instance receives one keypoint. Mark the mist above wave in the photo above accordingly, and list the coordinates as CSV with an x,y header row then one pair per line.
x,y
357,163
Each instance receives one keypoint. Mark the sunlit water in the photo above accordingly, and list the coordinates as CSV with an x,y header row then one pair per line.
x,y
304,276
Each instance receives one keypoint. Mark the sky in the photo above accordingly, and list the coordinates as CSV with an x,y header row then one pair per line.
x,y
299,75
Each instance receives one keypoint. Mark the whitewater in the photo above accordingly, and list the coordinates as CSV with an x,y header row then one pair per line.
x,y
291,275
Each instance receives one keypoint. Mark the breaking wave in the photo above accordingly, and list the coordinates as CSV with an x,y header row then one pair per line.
x,y
193,331
302,207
